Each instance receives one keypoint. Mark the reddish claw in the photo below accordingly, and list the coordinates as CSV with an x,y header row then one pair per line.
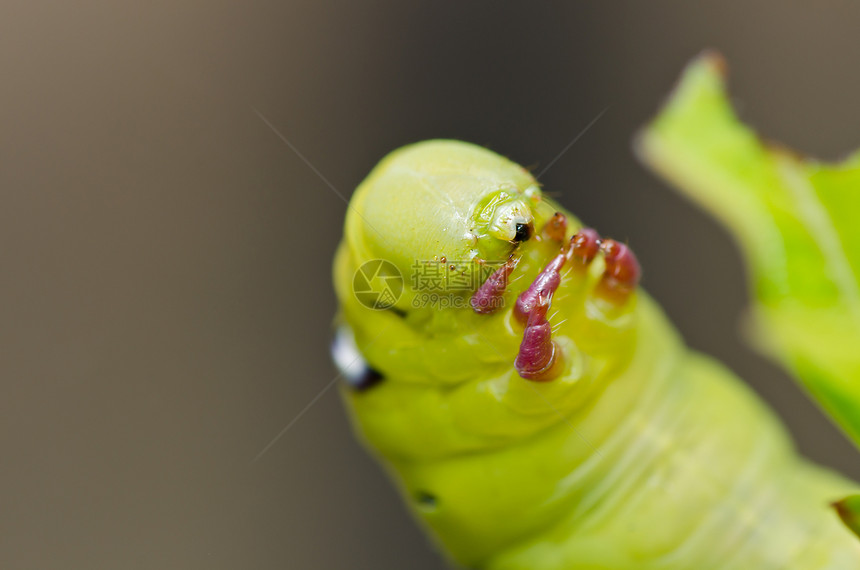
x,y
537,359
547,280
622,272
556,228
584,245
488,297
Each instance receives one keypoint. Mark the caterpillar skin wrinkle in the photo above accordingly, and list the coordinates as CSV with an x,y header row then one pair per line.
x,y
549,416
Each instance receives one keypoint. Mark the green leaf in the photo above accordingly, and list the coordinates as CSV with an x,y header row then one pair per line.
x,y
797,221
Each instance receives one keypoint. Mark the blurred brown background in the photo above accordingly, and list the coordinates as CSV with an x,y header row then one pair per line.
x,y
165,293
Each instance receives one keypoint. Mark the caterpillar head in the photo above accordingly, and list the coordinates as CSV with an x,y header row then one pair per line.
x,y
479,253
445,203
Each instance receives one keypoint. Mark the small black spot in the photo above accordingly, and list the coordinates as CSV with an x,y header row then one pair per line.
x,y
426,501
523,232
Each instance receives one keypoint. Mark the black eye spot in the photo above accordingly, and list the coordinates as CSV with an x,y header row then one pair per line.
x,y
523,232
366,379
427,501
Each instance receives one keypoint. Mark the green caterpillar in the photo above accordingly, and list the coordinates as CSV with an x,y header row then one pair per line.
x,y
546,415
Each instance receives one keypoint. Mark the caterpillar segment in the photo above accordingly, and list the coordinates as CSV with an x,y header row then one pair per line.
x,y
568,428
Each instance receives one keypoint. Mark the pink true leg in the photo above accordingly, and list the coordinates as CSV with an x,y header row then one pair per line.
x,y
488,298
584,246
622,272
547,280
538,359
556,228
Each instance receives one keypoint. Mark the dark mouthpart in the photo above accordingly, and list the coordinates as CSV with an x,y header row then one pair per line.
x,y
523,232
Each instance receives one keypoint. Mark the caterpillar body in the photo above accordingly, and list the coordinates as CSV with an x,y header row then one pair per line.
x,y
548,416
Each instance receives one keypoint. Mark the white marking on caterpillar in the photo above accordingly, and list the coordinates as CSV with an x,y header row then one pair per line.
x,y
348,360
